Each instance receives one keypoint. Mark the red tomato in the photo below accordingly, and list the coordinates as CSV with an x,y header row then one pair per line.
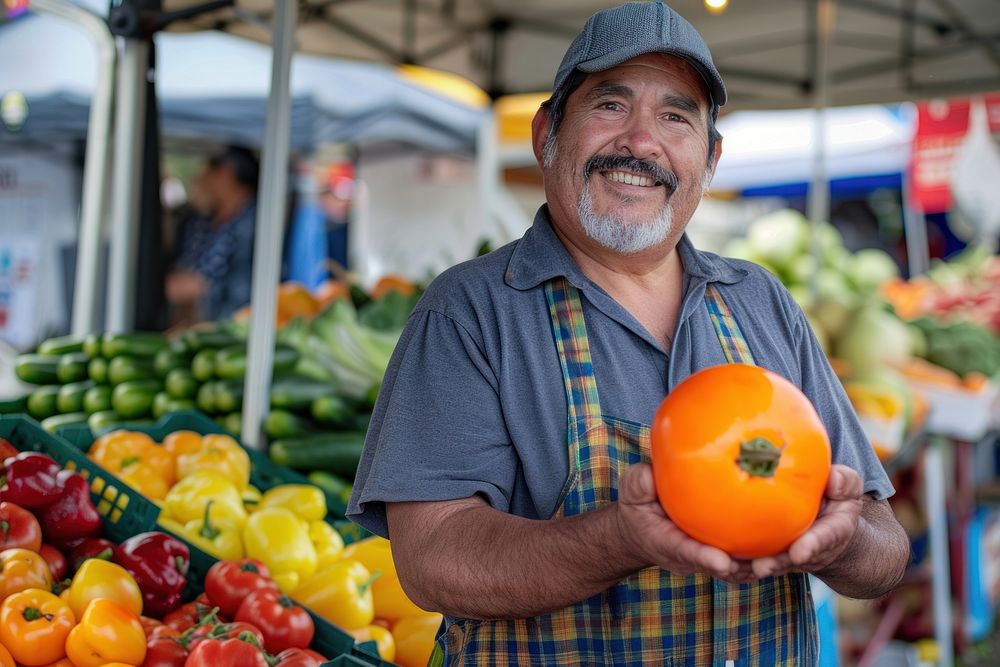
x,y
297,657
164,651
19,528
283,623
228,582
57,562
220,631
741,459
187,615
226,653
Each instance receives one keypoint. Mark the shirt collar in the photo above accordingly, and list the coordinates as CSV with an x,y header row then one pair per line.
x,y
540,256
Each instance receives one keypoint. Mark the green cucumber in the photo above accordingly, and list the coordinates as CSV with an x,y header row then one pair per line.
x,y
125,368
333,486
42,401
99,421
56,422
209,339
134,398
180,383
92,345
169,359
164,403
97,399
72,367
231,362
97,369
205,400
332,409
137,344
61,345
297,393
285,424
203,365
228,396
338,453
233,422
37,368
70,397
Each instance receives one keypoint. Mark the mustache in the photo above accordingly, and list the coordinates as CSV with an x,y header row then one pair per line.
x,y
662,176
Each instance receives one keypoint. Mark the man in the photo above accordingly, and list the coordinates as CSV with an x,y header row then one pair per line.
x,y
507,455
212,273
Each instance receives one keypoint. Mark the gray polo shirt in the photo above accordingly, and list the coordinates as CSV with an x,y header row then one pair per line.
x,y
473,401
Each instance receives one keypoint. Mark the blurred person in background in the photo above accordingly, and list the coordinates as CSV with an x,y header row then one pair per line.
x,y
213,257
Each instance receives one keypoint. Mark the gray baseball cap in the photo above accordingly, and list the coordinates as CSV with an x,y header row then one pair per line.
x,y
612,36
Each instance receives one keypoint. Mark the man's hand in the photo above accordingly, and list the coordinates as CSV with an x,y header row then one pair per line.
x,y
656,539
831,533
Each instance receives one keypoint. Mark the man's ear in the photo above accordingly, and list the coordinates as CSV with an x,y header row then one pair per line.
x,y
540,133
717,155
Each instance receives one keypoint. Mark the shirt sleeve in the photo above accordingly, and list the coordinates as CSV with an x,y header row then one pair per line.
x,y
848,440
437,431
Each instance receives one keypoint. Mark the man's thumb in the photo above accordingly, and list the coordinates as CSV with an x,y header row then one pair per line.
x,y
636,486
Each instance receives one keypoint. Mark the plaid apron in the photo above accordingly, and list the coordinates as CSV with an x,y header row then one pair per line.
x,y
651,617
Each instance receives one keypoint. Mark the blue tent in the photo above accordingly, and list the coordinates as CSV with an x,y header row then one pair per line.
x,y
214,86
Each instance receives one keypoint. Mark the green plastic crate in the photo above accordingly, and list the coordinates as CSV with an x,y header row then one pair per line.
x,y
125,511
347,660
11,406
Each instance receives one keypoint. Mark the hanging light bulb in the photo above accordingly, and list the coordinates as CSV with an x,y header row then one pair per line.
x,y
716,6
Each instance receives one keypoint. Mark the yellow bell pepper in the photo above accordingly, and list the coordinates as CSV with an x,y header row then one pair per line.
x,y
383,639
99,578
107,633
340,593
219,453
305,500
280,540
327,542
186,500
415,637
218,537
251,498
391,602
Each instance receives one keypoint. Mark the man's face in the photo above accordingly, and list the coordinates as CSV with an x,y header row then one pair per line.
x,y
630,161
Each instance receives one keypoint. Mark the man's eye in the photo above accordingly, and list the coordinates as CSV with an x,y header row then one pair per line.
x,y
610,106
675,118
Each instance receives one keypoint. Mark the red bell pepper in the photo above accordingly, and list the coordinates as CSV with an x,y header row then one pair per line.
x,y
159,564
72,515
89,547
58,565
283,623
19,528
30,479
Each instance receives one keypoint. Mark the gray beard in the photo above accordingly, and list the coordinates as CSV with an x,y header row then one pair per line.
x,y
624,237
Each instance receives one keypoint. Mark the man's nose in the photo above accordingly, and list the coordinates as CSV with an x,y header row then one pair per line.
x,y
637,139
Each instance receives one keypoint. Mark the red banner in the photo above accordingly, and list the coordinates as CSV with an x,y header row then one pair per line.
x,y
941,128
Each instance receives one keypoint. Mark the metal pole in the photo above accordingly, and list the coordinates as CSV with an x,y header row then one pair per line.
x,y
915,233
95,162
937,519
127,183
488,168
269,228
818,203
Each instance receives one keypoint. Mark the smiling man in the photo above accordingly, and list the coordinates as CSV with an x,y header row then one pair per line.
x,y
507,458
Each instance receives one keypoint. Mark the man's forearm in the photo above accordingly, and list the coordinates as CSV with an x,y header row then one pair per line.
x,y
876,558
480,563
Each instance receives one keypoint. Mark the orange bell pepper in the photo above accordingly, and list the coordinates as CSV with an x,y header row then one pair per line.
x,y
221,453
107,632
383,639
98,578
7,660
391,602
119,451
182,442
34,625
20,570
61,662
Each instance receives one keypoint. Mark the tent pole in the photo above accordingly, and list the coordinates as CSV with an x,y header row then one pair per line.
x,y
127,182
818,204
488,167
914,233
269,230
95,162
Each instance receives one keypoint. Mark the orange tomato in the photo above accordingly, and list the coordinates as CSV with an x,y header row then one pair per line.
x,y
34,625
741,459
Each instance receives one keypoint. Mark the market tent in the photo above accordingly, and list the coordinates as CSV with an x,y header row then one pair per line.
x,y
215,86
881,50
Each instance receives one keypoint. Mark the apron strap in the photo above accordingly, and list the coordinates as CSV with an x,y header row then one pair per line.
x,y
570,333
734,345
